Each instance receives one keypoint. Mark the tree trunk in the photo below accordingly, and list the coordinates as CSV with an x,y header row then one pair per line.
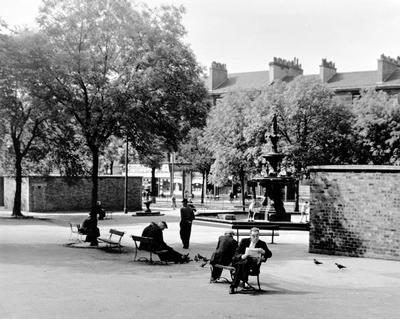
x,y
111,167
18,186
202,187
95,173
154,190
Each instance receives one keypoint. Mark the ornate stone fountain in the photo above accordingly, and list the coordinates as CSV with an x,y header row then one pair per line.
x,y
272,182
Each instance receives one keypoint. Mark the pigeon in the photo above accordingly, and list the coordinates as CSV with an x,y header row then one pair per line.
x,y
203,264
202,257
340,266
196,258
317,262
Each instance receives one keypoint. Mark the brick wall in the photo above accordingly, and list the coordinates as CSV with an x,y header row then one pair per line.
x,y
55,193
355,211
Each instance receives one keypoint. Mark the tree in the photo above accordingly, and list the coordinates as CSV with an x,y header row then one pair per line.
x,y
314,127
376,128
226,140
152,156
22,116
195,151
112,70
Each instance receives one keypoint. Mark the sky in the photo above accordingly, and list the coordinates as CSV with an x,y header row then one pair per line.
x,y
246,34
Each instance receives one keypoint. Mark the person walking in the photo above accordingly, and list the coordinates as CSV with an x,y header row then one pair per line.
x,y
305,211
187,216
173,201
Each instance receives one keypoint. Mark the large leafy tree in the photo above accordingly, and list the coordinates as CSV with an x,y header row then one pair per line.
x,y
114,70
225,136
22,116
376,128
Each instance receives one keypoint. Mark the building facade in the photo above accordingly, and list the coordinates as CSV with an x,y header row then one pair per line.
x,y
346,85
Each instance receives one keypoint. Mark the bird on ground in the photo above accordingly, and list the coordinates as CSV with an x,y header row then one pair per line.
x,y
317,262
340,266
196,258
202,257
203,264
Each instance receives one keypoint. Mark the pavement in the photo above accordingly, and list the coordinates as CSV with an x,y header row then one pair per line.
x,y
43,276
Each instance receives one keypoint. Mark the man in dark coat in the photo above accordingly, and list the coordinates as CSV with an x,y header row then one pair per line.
x,y
187,216
155,231
223,254
244,263
90,229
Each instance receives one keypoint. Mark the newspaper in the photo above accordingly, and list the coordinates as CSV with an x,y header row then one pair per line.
x,y
253,252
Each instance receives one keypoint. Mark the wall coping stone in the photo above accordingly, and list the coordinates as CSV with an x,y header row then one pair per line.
x,y
355,168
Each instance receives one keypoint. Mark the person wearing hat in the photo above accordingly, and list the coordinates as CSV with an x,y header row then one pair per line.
x,y
90,229
187,216
223,254
155,231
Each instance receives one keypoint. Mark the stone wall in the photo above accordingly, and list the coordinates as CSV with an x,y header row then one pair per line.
x,y
355,211
55,193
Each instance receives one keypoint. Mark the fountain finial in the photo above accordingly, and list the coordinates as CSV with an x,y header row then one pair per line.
x,y
274,136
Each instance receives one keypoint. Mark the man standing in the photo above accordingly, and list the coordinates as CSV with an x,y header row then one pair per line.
x,y
245,260
223,254
155,231
187,216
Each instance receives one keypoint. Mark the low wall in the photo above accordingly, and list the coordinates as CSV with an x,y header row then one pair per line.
x,y
55,193
355,211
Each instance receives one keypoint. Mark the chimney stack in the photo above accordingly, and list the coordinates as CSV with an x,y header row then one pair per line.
x,y
281,68
218,75
326,70
386,66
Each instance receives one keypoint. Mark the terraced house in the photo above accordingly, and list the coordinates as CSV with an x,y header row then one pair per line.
x,y
346,85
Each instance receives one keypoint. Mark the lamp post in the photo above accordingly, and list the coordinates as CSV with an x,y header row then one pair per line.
x,y
126,178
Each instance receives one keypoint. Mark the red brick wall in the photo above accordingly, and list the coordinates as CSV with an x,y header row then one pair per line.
x,y
54,193
355,211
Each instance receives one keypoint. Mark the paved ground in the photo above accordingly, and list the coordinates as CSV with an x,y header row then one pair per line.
x,y
42,277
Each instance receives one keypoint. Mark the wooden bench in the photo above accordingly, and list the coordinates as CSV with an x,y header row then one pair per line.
x,y
149,242
111,243
265,230
232,273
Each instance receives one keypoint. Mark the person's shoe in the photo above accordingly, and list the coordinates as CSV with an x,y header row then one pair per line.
x,y
231,290
246,286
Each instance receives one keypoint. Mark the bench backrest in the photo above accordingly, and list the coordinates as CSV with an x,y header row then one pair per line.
x,y
74,227
116,232
146,240
260,227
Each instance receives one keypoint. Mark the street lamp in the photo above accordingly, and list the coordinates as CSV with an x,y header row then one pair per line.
x,y
126,178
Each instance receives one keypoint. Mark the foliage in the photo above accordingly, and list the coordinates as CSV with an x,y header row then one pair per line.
x,y
225,138
112,70
377,128
194,150
22,116
314,127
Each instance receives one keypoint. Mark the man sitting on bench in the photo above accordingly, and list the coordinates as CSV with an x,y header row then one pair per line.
x,y
223,254
250,253
155,231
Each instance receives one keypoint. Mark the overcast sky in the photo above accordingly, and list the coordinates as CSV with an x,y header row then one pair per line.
x,y
247,34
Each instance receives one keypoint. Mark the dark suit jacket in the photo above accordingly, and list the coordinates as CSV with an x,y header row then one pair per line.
x,y
245,242
225,250
155,232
